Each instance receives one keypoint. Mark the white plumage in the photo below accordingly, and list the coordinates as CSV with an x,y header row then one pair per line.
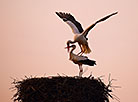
x,y
80,60
80,34
73,27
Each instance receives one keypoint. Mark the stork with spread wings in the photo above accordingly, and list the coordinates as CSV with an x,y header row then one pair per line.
x,y
80,35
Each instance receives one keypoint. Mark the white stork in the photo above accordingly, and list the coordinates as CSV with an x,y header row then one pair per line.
x,y
80,34
80,60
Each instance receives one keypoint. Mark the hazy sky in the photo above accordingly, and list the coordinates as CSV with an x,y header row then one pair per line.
x,y
32,41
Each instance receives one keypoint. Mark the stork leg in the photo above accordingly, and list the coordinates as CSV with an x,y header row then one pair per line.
x,y
81,71
80,53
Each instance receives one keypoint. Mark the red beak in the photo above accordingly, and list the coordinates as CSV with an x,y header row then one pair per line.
x,y
67,48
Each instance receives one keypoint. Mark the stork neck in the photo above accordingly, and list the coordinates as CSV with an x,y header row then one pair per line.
x,y
71,53
72,50
72,42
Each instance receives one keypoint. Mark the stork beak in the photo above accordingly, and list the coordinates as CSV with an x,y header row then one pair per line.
x,y
67,48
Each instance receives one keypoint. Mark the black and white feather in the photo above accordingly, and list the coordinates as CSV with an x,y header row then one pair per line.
x,y
88,62
80,34
80,60
75,25
71,21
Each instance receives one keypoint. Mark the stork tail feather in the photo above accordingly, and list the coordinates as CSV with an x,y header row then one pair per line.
x,y
86,49
88,62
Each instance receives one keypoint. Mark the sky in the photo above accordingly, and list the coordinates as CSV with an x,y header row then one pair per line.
x,y
32,41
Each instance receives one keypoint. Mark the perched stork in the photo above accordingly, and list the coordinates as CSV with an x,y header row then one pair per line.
x,y
80,34
80,60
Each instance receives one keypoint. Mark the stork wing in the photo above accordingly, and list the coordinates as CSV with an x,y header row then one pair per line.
x,y
103,19
79,58
88,62
70,20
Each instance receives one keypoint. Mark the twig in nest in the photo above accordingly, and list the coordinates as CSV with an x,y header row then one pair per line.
x,y
112,87
58,74
116,98
64,74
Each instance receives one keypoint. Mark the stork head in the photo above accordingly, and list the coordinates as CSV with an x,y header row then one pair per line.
x,y
68,44
68,47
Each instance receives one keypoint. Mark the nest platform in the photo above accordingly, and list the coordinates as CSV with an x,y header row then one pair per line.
x,y
61,89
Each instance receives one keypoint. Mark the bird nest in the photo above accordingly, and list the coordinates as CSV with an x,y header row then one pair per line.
x,y
62,89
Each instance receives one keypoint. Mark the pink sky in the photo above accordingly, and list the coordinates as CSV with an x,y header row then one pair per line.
x,y
32,41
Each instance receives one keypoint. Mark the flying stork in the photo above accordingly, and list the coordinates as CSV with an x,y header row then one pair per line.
x,y
80,60
80,34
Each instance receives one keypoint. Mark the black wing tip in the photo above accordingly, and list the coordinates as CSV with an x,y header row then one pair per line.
x,y
56,12
93,62
62,14
65,16
89,62
115,13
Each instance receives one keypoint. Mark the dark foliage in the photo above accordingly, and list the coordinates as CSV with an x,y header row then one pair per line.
x,y
61,89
